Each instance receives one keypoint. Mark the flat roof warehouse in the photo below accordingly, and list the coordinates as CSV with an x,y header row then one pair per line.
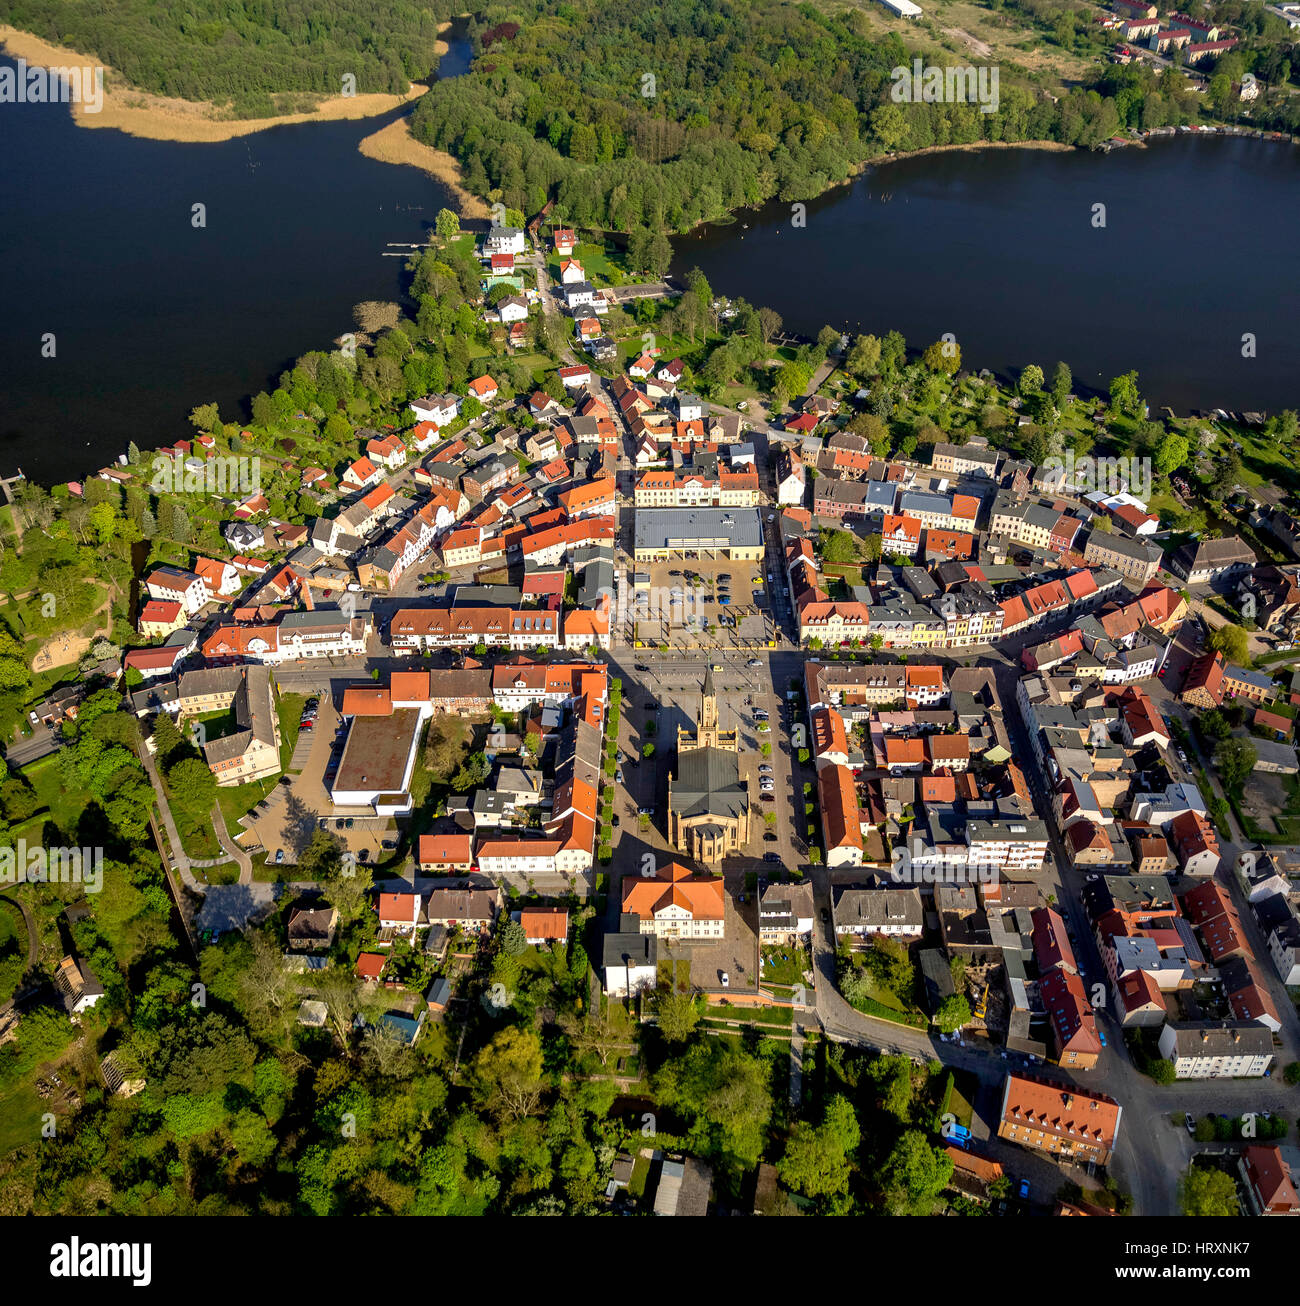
x,y
680,530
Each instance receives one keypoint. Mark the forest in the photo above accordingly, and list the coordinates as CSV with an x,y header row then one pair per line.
x,y
253,60
633,118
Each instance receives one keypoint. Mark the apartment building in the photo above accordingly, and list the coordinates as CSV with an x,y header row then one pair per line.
x,y
1134,559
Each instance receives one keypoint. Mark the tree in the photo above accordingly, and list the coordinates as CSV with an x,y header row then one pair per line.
x,y
1124,398
205,417
473,773
769,323
864,357
816,1161
943,356
166,739
677,1015
1235,760
508,1073
953,1013
1230,640
1031,381
647,749
1207,1192
1292,1073
447,224
597,1033
1062,384
1171,453
914,1175
1162,1071
192,783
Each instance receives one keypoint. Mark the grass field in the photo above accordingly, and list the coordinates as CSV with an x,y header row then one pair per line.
x,y
20,1118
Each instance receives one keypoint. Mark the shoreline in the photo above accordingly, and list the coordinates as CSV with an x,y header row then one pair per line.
x,y
163,118
394,144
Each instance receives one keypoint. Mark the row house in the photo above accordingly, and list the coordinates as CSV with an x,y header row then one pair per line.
x,y
547,547
592,498
420,629
841,816
390,559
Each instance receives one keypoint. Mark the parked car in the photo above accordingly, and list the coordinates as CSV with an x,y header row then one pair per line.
x,y
1024,1188
769,838
754,662
726,979
771,857
279,856
1190,1123
765,769
618,775
615,819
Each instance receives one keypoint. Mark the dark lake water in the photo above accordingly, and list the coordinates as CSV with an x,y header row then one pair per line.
x,y
152,316
999,248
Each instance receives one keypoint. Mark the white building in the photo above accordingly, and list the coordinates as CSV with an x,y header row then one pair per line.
x,y
1229,1049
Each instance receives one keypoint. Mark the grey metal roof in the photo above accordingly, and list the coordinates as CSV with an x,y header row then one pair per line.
x,y
663,528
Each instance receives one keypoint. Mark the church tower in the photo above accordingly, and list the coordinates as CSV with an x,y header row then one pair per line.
x,y
708,728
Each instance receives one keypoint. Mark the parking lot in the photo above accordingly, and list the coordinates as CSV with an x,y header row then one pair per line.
x,y
688,596
285,822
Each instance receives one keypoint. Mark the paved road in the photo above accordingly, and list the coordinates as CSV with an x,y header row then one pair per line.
x,y
42,743
179,859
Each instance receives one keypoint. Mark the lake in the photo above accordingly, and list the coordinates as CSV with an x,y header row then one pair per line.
x,y
152,316
999,248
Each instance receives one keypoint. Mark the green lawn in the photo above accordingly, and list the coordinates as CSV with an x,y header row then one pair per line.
x,y
60,805
20,1118
790,961
290,712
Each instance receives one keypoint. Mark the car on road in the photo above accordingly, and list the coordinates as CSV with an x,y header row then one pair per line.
x,y
726,979
1024,1189
641,666
1102,1035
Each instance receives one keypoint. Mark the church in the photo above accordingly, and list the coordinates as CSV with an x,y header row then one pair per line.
x,y
708,802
